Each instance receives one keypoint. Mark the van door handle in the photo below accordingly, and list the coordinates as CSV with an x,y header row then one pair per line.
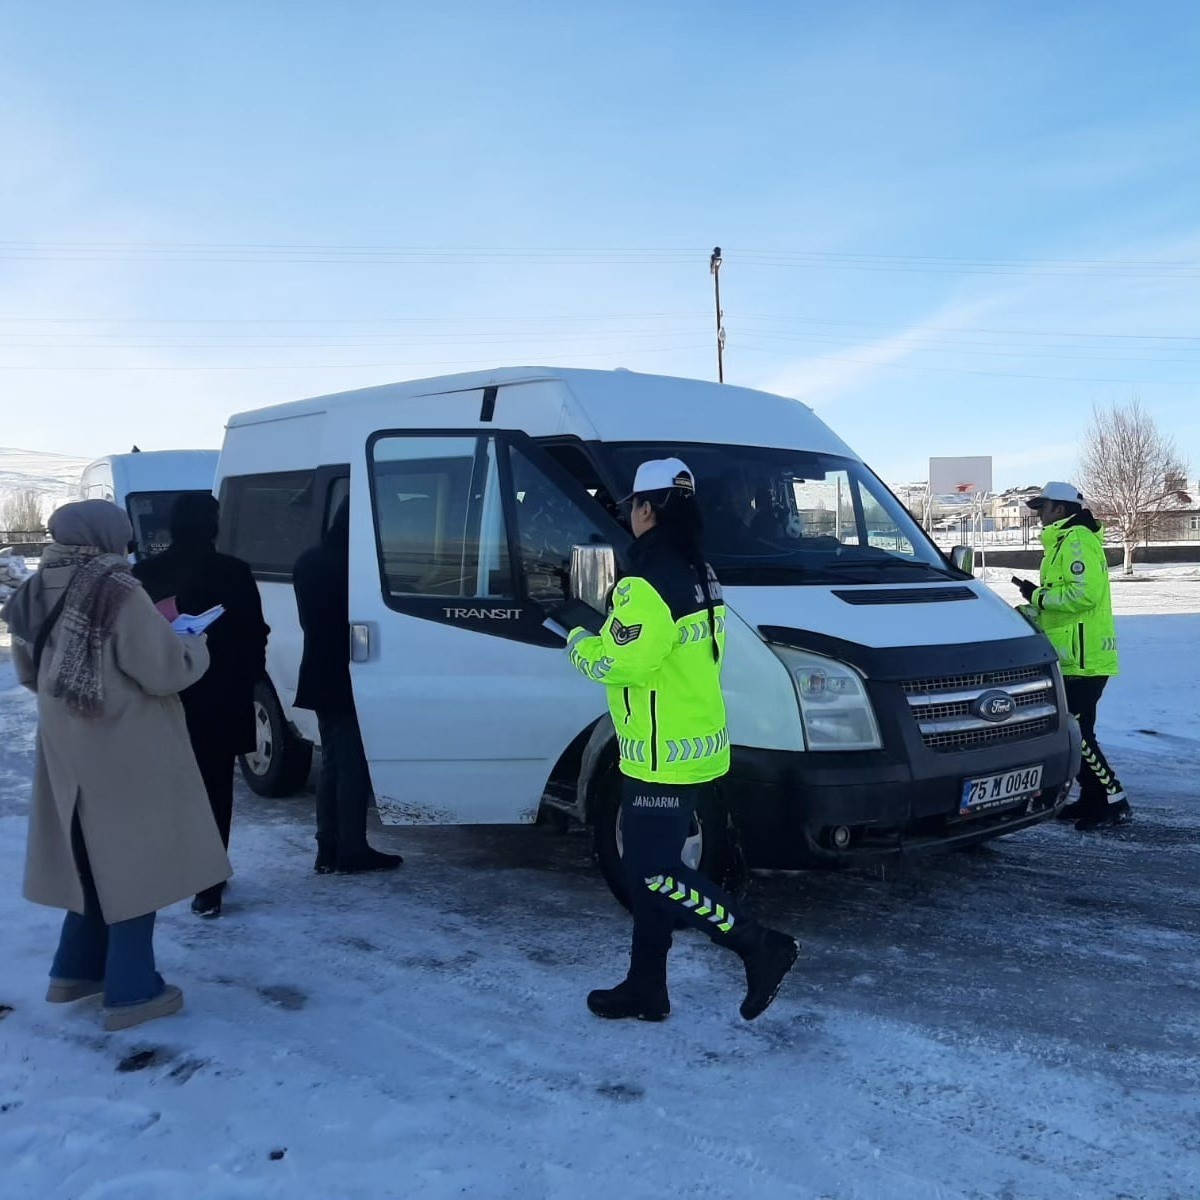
x,y
360,643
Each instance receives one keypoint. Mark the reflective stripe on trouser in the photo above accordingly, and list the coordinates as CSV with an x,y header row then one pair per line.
x,y
1095,761
675,889
1098,783
656,823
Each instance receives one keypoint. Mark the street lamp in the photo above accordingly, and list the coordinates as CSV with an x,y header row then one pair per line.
x,y
714,266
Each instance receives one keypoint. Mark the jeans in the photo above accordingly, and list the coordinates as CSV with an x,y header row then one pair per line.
x,y
121,954
344,786
656,821
1098,784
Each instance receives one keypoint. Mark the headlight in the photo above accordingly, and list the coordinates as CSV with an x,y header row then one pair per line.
x,y
835,709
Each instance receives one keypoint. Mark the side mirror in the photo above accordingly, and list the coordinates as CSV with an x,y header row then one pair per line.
x,y
593,575
963,557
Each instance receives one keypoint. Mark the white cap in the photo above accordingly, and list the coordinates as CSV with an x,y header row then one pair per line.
x,y
1059,493
659,474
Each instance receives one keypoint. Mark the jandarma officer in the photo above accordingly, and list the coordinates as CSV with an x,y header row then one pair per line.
x,y
659,654
1073,608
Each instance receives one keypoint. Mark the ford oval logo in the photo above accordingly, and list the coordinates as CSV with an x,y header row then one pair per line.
x,y
995,706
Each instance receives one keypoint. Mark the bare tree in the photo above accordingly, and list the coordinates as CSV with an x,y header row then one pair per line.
x,y
1130,473
21,512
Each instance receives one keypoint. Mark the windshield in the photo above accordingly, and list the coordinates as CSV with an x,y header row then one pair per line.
x,y
150,513
791,516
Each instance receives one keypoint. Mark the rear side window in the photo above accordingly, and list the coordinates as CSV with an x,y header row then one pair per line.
x,y
150,516
270,519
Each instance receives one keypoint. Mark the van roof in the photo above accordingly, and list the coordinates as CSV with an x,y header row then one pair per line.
x,y
160,470
619,405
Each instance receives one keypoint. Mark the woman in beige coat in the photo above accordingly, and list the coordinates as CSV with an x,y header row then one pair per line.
x,y
120,824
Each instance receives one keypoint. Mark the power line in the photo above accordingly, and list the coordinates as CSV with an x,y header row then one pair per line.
x,y
789,321
870,362
375,254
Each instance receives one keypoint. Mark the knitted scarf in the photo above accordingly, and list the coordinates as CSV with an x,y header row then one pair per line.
x,y
95,595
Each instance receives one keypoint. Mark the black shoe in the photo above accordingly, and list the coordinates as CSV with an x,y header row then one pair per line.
x,y
1116,815
207,906
368,860
1070,812
768,955
631,1000
326,862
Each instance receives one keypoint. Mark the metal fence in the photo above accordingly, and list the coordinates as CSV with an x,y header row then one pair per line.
x,y
28,542
1181,530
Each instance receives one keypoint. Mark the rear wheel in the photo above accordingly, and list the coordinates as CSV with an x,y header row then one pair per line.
x,y
280,761
711,849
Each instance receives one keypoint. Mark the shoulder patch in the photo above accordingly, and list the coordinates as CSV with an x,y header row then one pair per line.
x,y
624,634
1077,568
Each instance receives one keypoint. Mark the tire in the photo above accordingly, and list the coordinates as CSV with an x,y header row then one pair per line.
x,y
713,849
280,763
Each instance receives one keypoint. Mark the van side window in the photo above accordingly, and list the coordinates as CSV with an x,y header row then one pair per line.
x,y
439,516
270,519
548,525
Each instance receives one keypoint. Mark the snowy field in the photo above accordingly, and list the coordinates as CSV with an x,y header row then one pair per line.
x,y
1018,1023
54,477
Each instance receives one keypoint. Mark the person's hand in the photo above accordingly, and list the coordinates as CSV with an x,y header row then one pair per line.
x,y
1025,588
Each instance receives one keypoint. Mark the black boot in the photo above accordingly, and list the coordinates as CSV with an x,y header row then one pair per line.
x,y
631,998
643,992
1070,812
768,956
1113,816
367,860
326,862
208,902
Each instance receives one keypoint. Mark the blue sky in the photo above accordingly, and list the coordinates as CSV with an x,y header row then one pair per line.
x,y
952,228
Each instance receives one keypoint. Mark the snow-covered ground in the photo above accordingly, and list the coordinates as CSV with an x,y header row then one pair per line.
x,y
1020,1023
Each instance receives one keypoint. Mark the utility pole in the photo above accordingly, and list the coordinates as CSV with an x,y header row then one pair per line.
x,y
714,266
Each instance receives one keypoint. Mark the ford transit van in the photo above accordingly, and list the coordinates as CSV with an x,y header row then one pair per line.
x,y
881,699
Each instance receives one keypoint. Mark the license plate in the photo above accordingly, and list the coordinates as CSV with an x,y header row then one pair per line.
x,y
997,791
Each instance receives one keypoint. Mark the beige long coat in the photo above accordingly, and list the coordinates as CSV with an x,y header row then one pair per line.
x,y
150,834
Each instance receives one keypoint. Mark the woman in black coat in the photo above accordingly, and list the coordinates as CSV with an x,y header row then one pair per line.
x,y
220,706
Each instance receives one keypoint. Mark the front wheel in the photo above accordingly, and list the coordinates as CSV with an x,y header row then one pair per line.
x,y
280,761
712,848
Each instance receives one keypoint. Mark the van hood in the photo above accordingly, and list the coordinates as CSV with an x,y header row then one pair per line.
x,y
885,616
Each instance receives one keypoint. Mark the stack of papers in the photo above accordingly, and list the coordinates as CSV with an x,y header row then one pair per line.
x,y
187,623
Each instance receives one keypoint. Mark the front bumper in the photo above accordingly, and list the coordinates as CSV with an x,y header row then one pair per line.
x,y
787,805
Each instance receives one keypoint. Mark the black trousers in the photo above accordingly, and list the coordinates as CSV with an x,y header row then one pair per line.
x,y
344,786
216,763
656,821
1098,783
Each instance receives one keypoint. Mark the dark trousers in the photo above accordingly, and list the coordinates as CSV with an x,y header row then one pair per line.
x,y
344,786
216,761
121,954
655,822
1098,783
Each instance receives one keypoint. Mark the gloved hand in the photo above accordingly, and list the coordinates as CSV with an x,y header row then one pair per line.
x,y
574,614
1025,587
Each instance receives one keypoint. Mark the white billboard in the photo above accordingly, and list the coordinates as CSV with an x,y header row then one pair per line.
x,y
964,477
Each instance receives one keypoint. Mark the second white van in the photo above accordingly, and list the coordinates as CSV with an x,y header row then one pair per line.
x,y
146,484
